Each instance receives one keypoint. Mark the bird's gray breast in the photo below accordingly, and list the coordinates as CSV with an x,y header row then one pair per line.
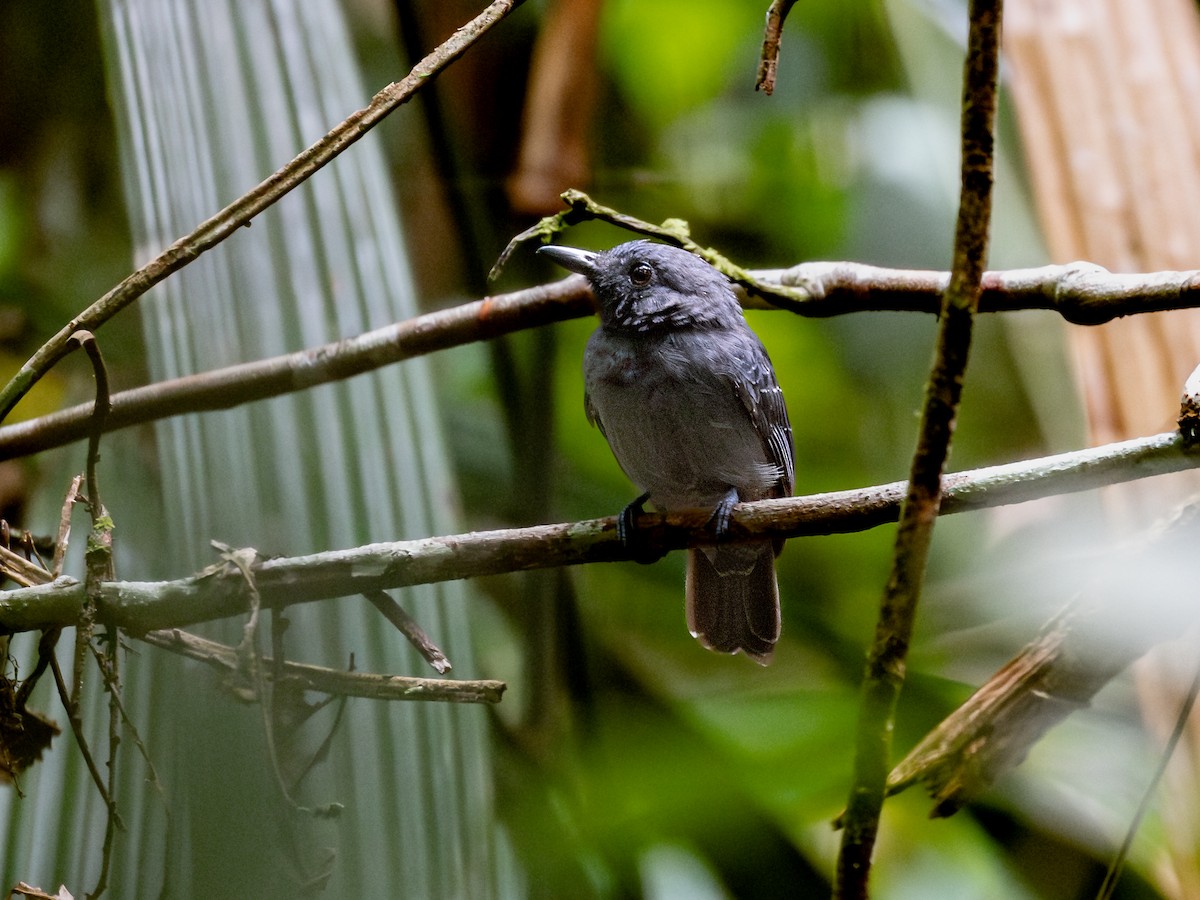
x,y
669,407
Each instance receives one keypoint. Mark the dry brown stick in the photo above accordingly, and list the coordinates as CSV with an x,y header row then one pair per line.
x,y
768,63
237,214
410,628
1059,671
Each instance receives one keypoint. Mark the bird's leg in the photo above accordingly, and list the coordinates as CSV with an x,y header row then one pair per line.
x,y
627,521
721,515
627,532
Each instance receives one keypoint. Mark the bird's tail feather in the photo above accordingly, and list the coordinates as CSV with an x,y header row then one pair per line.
x,y
738,610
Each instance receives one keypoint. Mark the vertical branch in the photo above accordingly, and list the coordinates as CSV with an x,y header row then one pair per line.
x,y
100,411
99,566
768,63
886,658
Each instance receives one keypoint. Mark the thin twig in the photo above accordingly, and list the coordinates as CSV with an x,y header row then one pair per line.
x,y
1113,875
50,637
217,592
237,214
64,525
109,663
335,682
99,568
45,653
250,664
81,741
886,657
409,627
16,567
101,407
151,772
22,889
768,63
304,369
582,208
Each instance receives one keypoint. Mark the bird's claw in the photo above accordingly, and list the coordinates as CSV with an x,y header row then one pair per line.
x,y
627,533
723,513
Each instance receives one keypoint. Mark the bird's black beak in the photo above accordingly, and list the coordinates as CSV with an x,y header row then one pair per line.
x,y
582,262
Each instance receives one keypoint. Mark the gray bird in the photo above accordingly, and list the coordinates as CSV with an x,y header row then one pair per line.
x,y
684,393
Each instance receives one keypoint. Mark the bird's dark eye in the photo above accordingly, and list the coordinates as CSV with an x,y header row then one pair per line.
x,y
641,274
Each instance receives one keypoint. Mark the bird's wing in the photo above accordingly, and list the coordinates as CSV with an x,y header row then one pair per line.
x,y
760,393
593,416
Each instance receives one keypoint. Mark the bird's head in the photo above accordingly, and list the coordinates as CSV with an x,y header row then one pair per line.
x,y
642,286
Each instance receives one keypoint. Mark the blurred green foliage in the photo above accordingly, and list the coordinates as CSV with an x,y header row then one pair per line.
x,y
661,769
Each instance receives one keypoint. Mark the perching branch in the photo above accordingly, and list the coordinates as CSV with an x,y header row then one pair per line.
x,y
886,658
219,591
239,213
1081,293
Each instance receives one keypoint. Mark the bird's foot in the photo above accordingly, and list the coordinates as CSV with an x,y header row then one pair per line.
x,y
719,523
627,533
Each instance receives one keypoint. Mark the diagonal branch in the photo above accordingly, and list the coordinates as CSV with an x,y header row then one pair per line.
x,y
1058,672
1081,293
304,369
239,213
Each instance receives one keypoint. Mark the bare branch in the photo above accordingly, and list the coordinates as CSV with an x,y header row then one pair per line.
x,y
76,722
768,63
1081,293
100,410
410,628
235,385
333,681
219,592
582,208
